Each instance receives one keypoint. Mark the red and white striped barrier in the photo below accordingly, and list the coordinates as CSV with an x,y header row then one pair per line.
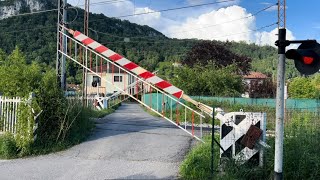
x,y
127,64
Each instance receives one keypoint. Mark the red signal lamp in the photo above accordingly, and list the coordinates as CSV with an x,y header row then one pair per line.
x,y
307,60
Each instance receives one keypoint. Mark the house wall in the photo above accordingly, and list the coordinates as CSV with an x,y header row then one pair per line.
x,y
111,88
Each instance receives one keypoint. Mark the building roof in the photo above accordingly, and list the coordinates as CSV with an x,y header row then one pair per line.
x,y
255,75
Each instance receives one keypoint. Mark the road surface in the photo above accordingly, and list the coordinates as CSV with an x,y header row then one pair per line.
x,y
128,144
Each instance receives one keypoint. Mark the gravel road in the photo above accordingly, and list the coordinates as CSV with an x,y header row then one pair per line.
x,y
128,144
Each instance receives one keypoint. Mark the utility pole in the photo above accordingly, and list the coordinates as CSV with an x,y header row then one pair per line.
x,y
279,133
61,44
85,60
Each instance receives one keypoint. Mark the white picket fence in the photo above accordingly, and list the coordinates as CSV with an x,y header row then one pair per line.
x,y
8,113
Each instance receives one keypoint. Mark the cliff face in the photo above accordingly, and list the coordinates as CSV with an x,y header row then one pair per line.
x,y
13,7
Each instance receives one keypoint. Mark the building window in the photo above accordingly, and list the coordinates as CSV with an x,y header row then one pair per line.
x,y
96,81
117,78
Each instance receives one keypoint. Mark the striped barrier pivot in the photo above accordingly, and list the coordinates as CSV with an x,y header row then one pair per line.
x,y
127,64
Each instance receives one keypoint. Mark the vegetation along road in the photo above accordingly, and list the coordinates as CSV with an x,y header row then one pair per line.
x,y
126,144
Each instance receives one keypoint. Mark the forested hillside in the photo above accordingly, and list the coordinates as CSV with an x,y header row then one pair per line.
x,y
35,35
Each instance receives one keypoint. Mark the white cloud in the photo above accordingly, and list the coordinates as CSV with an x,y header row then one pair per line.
x,y
153,19
269,38
218,24
213,25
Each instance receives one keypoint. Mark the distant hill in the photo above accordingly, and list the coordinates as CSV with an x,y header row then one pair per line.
x,y
35,35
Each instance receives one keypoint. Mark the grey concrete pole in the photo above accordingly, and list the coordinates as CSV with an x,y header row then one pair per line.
x,y
279,133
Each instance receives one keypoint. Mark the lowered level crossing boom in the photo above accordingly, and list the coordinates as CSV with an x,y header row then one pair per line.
x,y
141,72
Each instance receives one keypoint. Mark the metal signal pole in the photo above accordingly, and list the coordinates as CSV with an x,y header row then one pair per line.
x,y
279,133
61,44
85,62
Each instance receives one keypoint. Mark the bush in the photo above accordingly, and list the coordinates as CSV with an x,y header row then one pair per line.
x,y
8,147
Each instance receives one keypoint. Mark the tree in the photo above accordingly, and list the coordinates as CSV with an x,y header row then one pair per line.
x,y
261,89
212,52
209,80
17,77
301,87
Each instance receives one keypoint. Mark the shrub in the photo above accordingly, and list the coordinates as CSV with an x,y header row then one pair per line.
x,y
8,147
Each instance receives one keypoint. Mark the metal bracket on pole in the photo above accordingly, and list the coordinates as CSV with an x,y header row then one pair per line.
x,y
287,42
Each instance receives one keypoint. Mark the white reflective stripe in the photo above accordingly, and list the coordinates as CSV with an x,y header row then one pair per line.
x,y
108,53
154,80
81,37
94,45
123,61
138,70
172,89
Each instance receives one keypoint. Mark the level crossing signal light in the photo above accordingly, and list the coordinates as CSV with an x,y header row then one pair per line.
x,y
306,57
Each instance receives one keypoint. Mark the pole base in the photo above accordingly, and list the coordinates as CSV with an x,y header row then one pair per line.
x,y
278,176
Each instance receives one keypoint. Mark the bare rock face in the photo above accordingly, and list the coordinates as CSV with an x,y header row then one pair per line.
x,y
13,7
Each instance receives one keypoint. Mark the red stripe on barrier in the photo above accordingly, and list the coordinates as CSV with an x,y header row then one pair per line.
x,y
76,33
146,75
115,57
163,84
178,94
130,66
101,49
87,41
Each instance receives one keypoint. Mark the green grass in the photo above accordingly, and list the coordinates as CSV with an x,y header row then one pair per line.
x,y
149,111
197,164
102,113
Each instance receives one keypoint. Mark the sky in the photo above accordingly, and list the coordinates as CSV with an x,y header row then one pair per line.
x,y
233,20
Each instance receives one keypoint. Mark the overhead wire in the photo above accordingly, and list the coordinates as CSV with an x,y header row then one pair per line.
x,y
251,15
169,9
103,2
35,12
213,38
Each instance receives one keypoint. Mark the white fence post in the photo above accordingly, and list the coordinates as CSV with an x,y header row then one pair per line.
x,y
8,114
